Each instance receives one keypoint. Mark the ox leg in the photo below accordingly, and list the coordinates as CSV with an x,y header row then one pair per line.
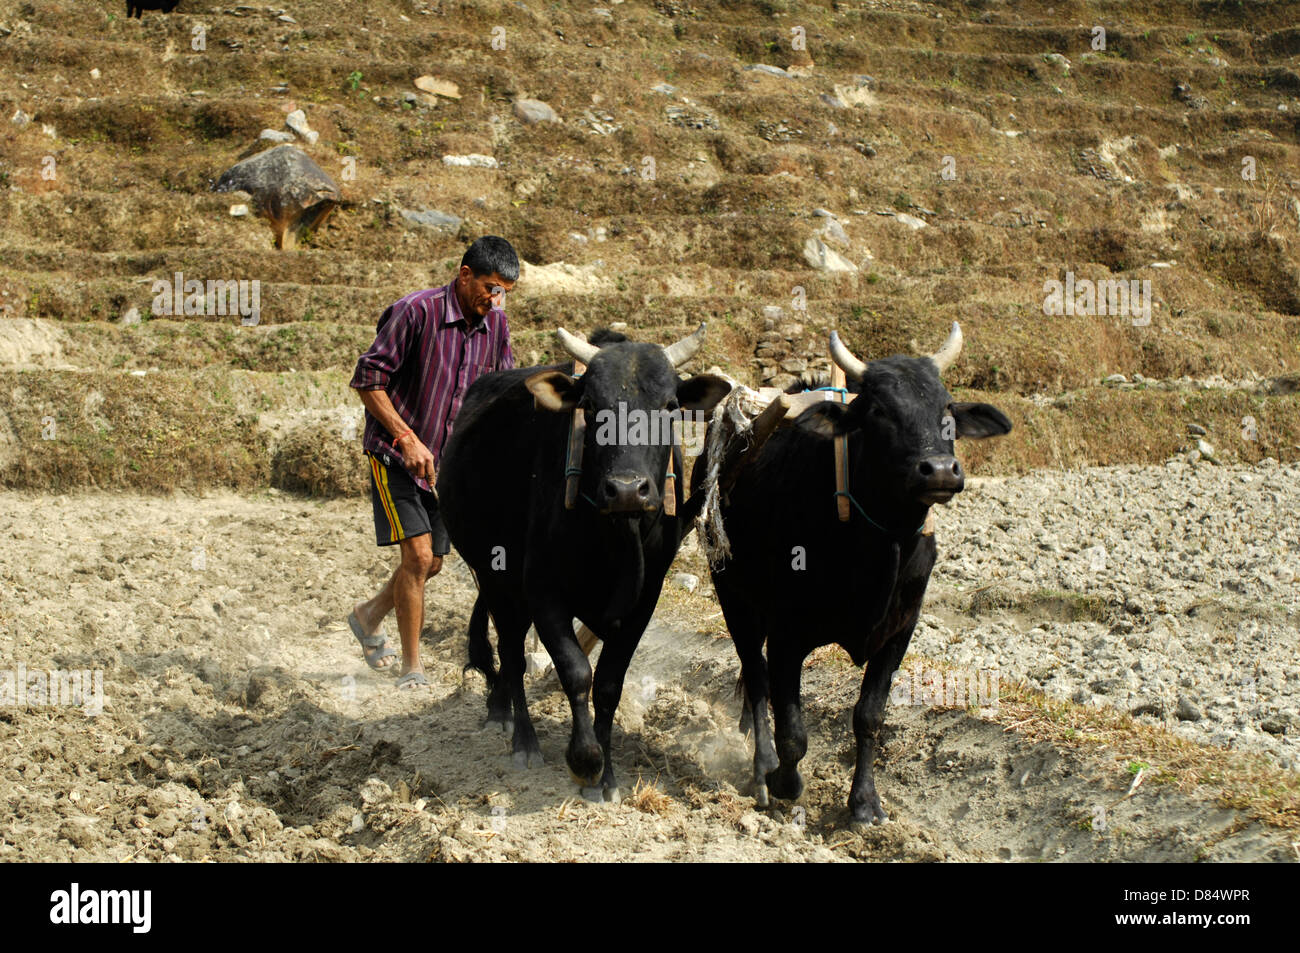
x,y
753,676
506,702
584,756
747,636
785,669
868,719
610,673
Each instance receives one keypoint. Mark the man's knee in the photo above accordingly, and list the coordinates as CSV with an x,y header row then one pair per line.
x,y
418,559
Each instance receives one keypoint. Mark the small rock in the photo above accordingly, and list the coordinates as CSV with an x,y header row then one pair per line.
x,y
95,73
769,70
276,135
374,791
131,318
823,258
530,111
834,231
664,89
911,221
474,160
239,211
1115,379
20,118
1146,705
1186,711
297,121
438,87
686,580
431,218
1196,430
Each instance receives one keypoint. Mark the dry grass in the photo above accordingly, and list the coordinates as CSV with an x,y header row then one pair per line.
x,y
648,799
1247,782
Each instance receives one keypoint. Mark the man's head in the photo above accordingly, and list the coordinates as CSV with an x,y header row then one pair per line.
x,y
489,269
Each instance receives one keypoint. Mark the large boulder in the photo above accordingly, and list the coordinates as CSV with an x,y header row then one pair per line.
x,y
288,189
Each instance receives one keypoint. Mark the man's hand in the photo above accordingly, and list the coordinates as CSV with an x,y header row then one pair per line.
x,y
416,457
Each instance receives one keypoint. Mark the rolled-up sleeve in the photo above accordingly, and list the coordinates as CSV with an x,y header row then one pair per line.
x,y
393,341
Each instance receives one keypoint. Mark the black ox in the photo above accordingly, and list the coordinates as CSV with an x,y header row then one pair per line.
x,y
798,577
502,485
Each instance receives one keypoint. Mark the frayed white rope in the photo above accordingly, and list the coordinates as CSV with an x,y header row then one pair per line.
x,y
732,420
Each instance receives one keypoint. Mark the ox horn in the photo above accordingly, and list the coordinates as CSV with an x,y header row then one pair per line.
x,y
944,357
576,346
682,351
844,359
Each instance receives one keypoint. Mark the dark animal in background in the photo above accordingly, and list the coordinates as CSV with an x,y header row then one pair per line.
x,y
134,7
798,578
502,488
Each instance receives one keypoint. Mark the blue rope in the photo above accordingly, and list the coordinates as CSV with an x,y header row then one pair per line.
x,y
842,391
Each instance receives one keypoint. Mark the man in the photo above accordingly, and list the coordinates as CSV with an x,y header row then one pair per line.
x,y
429,347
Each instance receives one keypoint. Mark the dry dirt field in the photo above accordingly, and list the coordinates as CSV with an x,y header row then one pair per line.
x,y
182,506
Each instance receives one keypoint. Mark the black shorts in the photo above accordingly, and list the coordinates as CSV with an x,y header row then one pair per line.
x,y
402,509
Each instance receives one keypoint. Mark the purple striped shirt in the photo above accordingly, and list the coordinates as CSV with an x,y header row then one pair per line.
x,y
425,356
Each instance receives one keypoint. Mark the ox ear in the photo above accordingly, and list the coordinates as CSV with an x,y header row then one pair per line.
x,y
977,421
702,392
826,420
554,390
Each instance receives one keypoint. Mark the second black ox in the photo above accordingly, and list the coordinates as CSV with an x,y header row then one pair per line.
x,y
798,577
502,486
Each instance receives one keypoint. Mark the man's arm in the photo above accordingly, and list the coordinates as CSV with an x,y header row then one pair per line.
x,y
506,357
415,455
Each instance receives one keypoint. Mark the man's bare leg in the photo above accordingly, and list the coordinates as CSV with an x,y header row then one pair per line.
x,y
404,592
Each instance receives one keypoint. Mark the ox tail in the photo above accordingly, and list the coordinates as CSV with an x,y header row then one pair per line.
x,y
480,649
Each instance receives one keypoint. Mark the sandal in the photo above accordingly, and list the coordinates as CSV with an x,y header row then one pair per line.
x,y
371,644
412,680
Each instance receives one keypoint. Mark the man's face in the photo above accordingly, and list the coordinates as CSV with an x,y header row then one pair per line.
x,y
479,295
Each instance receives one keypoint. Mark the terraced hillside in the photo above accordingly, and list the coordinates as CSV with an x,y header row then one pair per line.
x,y
777,169
951,157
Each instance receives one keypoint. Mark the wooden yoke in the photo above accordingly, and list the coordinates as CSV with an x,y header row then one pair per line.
x,y
670,478
839,382
573,459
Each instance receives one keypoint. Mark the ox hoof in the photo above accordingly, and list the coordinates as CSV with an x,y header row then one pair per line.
x,y
523,760
870,814
862,826
505,726
613,795
786,787
595,795
762,800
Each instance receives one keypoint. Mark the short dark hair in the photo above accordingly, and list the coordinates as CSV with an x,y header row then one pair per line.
x,y
492,255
